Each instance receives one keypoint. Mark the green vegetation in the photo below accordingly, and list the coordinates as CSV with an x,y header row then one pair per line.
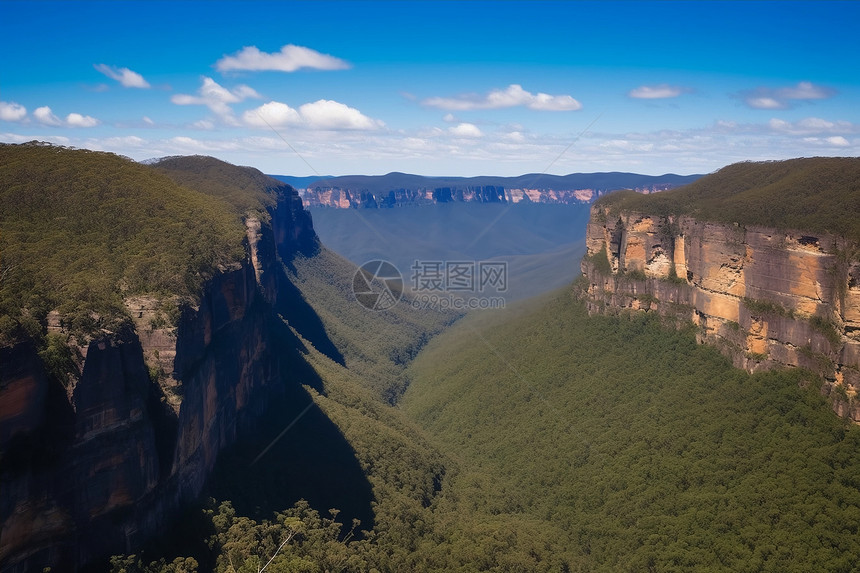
x,y
647,298
376,346
600,260
766,308
673,276
244,188
530,439
822,324
58,357
403,469
635,275
826,327
629,447
820,194
79,230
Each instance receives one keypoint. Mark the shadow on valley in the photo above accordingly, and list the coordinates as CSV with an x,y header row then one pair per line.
x,y
292,452
292,305
311,460
297,454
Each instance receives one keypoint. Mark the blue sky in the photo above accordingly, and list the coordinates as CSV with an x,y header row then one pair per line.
x,y
436,88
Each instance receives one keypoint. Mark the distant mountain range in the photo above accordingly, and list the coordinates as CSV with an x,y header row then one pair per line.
x,y
399,189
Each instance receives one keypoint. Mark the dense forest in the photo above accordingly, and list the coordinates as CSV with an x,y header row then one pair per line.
x,y
819,194
534,438
80,230
541,439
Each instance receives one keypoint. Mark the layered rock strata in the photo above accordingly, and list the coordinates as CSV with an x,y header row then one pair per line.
x,y
765,297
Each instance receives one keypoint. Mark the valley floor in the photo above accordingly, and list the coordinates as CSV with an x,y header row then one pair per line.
x,y
538,438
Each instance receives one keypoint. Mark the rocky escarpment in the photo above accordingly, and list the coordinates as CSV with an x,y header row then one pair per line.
x,y
361,198
98,466
765,297
401,189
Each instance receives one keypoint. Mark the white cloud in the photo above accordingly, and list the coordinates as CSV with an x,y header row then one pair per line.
x,y
78,120
465,130
11,111
203,124
245,92
765,102
216,97
45,115
815,123
546,102
327,114
812,126
626,145
511,149
661,91
782,98
24,138
147,120
124,76
322,114
123,142
512,96
449,118
189,144
806,90
289,59
272,114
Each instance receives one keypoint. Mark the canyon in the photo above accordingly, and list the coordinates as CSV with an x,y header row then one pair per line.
x,y
101,457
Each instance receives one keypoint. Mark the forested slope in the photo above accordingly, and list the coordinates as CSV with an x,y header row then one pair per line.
x,y
80,230
549,440
626,446
817,194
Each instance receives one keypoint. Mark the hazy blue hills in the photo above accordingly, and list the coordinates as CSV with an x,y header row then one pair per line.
x,y
541,243
468,218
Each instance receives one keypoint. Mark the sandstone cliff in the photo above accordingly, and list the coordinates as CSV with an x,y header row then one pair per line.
x,y
401,189
765,297
100,465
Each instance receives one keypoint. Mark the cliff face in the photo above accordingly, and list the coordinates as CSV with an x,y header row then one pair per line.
x,y
101,465
401,189
765,297
357,199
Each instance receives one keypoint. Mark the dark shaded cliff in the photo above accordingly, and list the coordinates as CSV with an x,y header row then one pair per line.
x,y
766,296
98,460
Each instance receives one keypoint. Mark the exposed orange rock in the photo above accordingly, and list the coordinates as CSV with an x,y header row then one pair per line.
x,y
766,297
